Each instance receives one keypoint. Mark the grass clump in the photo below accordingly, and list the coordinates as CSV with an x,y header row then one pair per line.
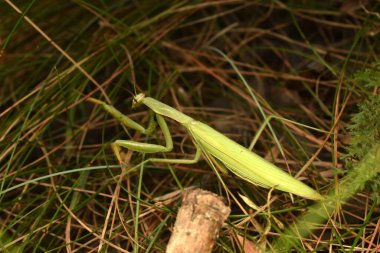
x,y
365,132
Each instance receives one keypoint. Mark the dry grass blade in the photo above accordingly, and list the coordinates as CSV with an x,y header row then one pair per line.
x,y
62,190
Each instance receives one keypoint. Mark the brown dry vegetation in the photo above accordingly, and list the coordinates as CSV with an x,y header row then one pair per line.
x,y
299,59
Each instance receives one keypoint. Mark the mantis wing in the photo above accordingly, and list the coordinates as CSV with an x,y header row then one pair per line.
x,y
247,164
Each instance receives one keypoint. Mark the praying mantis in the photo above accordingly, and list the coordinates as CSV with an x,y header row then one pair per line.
x,y
236,158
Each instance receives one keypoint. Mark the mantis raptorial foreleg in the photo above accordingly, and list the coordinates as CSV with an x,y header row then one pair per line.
x,y
145,147
148,147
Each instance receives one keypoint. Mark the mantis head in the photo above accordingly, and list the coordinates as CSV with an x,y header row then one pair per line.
x,y
137,100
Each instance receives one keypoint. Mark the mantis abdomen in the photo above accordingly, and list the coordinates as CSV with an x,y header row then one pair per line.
x,y
245,163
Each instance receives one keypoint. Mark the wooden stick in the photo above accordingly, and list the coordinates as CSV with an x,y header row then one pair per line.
x,y
199,220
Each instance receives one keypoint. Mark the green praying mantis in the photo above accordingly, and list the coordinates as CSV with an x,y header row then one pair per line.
x,y
238,159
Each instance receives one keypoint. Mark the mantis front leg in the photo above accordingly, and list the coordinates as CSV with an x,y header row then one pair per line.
x,y
154,148
145,147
